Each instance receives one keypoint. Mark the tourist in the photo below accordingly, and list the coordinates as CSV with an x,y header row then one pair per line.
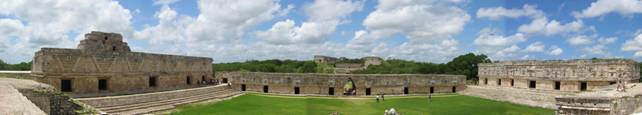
x,y
430,97
377,97
383,98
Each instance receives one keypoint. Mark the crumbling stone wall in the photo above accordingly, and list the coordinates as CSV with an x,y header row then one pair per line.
x,y
321,84
569,74
104,56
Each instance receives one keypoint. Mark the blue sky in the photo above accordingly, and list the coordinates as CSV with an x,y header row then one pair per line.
x,y
421,30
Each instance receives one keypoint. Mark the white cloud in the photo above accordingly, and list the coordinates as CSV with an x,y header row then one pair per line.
x,y
580,40
500,12
491,41
535,47
602,7
554,50
323,18
634,45
49,23
427,26
548,28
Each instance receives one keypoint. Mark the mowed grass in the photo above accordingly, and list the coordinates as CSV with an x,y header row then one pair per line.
x,y
256,104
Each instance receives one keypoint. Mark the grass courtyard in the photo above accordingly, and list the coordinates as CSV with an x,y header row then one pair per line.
x,y
258,104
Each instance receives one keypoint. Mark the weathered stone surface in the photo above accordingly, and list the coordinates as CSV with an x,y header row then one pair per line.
x,y
320,84
103,56
570,73
603,101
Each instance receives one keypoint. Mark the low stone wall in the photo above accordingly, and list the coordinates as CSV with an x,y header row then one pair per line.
x,y
333,84
531,97
41,96
606,101
51,102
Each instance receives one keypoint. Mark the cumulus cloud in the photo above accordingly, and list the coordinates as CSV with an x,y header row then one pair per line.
x,y
501,12
535,47
543,26
580,40
634,45
554,50
493,42
427,26
49,23
602,7
323,18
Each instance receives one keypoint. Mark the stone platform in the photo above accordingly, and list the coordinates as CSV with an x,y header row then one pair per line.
x,y
531,97
157,101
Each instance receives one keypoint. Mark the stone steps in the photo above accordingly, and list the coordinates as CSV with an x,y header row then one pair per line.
x,y
172,102
157,101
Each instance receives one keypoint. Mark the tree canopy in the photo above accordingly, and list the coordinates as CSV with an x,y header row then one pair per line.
x,y
19,66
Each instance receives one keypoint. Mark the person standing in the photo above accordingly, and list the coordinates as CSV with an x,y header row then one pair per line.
x,y
430,97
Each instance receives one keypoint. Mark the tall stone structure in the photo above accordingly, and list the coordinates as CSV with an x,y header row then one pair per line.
x,y
104,65
561,75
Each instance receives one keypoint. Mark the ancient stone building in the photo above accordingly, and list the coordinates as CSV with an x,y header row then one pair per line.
x,y
104,64
333,84
371,60
324,59
560,75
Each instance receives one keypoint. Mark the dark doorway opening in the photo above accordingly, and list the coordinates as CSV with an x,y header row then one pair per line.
x,y
153,81
405,90
66,85
531,84
224,80
499,82
296,90
368,91
242,87
331,91
102,84
432,89
512,82
557,85
485,81
265,89
454,89
188,80
203,78
612,82
583,86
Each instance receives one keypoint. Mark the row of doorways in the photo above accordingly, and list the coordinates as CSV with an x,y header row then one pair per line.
x,y
297,90
66,85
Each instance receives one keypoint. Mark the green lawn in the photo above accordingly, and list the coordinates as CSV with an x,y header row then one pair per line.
x,y
256,104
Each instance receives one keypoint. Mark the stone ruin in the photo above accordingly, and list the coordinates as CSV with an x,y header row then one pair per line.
x,y
104,65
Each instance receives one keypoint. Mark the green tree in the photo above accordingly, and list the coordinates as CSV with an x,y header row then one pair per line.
x,y
467,64
308,67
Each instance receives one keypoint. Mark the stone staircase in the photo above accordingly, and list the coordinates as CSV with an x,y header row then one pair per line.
x,y
532,97
157,101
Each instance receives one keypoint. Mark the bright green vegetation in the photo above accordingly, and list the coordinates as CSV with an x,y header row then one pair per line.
x,y
255,104
19,66
461,65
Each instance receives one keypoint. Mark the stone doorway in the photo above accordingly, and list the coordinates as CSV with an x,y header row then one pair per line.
x,y
368,91
242,87
531,84
265,89
66,85
296,90
557,85
454,89
152,81
224,80
331,91
103,84
583,86
188,80
405,90
432,89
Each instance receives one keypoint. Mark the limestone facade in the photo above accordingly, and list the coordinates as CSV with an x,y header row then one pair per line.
x,y
104,64
561,75
332,84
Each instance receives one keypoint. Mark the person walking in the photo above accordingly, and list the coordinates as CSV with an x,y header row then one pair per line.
x,y
430,97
